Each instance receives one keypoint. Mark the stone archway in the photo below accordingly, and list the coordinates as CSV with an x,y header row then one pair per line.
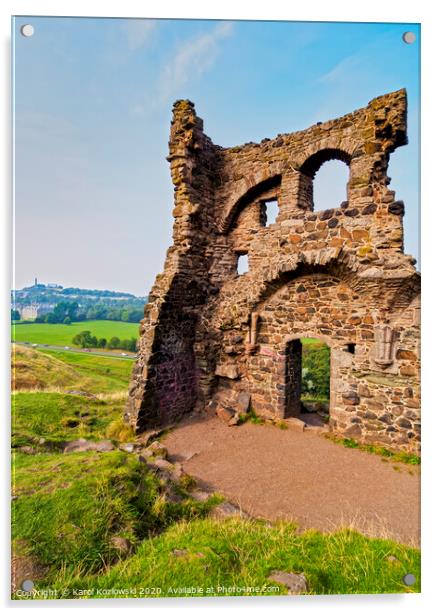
x,y
313,305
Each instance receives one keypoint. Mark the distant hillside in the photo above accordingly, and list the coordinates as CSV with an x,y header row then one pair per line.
x,y
53,293
35,301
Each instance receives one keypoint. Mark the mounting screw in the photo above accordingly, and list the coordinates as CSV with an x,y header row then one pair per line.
x,y
409,579
409,37
27,30
27,585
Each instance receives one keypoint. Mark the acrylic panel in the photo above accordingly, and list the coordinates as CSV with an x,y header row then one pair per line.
x,y
215,308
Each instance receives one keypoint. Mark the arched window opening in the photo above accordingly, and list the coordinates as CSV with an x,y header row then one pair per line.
x,y
330,185
269,212
263,191
242,264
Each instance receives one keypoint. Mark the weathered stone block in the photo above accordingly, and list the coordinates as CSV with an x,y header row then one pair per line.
x,y
405,354
397,208
296,583
242,403
407,371
229,371
351,398
295,423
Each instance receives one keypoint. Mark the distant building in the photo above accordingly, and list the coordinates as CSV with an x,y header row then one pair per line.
x,y
35,310
40,285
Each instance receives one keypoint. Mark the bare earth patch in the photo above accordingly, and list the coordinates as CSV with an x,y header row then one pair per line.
x,y
299,476
25,568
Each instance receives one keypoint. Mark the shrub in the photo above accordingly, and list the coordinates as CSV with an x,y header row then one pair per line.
x,y
315,370
120,431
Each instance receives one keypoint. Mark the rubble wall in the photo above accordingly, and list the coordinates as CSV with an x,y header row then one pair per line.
x,y
339,275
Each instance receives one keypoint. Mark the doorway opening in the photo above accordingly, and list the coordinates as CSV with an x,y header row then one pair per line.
x,y
307,380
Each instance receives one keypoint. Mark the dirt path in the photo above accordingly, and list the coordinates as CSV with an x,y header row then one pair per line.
x,y
299,476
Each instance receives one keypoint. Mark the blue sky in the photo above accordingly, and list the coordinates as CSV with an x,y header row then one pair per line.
x,y
93,101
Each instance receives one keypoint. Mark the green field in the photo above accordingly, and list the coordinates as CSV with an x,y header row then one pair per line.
x,y
61,335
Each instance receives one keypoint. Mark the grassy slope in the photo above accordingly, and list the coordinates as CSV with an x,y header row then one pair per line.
x,y
100,374
59,334
68,507
59,417
35,369
31,369
41,408
242,553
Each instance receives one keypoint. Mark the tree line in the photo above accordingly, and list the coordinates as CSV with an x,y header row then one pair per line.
x,y
67,312
96,292
86,340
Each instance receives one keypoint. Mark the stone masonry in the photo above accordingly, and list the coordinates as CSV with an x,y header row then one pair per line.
x,y
339,275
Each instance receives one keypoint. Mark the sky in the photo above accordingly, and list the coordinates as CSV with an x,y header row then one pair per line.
x,y
92,110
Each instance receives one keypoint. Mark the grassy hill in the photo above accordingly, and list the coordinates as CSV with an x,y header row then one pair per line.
x,y
45,370
67,509
44,402
61,335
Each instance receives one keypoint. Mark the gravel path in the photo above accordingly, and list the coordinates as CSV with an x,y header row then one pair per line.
x,y
299,476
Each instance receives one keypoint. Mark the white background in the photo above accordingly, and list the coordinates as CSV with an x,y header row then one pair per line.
x,y
318,10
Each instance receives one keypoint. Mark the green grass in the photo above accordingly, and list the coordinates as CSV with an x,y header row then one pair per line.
x,y
61,335
393,456
69,506
42,408
251,416
106,373
58,417
34,370
42,370
242,553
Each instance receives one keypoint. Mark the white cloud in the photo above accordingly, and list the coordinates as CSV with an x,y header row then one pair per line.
x,y
138,32
359,66
341,70
192,59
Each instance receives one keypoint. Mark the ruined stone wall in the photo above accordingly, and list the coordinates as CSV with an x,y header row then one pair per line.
x,y
164,381
338,274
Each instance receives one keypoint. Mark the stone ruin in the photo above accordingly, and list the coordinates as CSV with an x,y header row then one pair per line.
x,y
339,275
